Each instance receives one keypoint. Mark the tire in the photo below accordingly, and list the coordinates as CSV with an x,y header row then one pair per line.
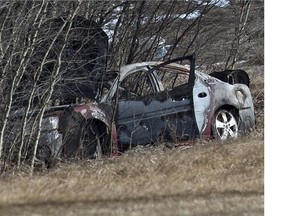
x,y
70,126
82,139
91,142
225,125
44,156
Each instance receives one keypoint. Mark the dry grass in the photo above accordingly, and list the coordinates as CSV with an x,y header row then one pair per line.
x,y
222,179
208,178
218,178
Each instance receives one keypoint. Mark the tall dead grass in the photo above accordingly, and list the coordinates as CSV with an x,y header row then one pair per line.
x,y
256,74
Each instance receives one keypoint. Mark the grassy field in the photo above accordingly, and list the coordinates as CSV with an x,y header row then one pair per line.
x,y
207,178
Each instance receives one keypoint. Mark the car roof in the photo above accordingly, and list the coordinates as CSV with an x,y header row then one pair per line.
x,y
128,69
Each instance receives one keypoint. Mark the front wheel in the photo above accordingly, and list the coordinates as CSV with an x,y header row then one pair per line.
x,y
225,125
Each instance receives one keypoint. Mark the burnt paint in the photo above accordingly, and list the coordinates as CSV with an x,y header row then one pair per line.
x,y
140,123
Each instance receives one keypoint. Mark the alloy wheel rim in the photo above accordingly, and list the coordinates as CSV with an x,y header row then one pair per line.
x,y
226,125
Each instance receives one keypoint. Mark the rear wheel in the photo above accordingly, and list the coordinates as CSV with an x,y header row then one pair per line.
x,y
92,141
82,138
225,125
43,155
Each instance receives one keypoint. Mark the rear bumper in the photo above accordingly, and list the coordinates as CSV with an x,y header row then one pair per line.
x,y
53,140
246,120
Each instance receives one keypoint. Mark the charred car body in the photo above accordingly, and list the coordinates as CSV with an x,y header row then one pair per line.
x,y
146,102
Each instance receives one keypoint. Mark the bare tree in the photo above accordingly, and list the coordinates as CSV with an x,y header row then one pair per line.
x,y
17,56
54,77
239,32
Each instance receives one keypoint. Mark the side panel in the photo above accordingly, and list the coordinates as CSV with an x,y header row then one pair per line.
x,y
202,104
142,122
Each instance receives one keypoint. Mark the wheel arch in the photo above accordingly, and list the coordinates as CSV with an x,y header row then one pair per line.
x,y
73,122
109,139
227,107
102,126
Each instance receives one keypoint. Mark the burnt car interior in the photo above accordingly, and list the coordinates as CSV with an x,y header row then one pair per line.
x,y
232,76
170,83
136,86
175,84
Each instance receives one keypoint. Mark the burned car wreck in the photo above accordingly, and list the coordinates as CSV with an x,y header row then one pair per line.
x,y
144,103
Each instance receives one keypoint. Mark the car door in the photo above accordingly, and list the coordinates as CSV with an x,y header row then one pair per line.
x,y
133,118
177,108
149,109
